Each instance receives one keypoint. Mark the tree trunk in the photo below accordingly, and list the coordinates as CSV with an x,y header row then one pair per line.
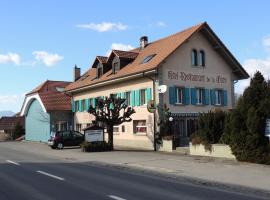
x,y
110,136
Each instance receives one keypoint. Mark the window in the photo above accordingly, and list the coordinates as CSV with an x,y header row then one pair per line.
x,y
127,95
199,95
79,127
113,96
123,129
91,102
88,124
77,105
179,95
83,105
60,89
148,58
116,129
218,96
194,60
143,98
115,67
139,126
202,58
99,71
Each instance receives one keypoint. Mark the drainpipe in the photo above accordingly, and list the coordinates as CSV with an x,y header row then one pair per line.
x,y
154,94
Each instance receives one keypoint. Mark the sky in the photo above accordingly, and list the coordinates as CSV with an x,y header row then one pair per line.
x,y
43,40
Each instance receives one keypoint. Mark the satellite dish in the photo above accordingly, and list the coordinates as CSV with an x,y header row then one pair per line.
x,y
162,89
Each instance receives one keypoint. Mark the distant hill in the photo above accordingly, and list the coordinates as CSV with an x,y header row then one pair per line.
x,y
6,113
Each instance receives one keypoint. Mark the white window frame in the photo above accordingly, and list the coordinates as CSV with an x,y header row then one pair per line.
x,y
181,100
135,132
143,103
199,95
128,93
218,96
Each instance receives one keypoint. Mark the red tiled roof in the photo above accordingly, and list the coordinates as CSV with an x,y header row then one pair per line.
x,y
51,97
161,48
9,123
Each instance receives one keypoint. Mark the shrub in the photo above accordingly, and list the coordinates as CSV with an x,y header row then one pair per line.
x,y
98,146
210,128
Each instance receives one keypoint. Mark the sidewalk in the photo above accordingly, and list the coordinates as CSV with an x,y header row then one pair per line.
x,y
223,171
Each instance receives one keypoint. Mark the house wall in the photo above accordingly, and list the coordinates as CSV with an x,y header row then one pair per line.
x,y
178,65
126,138
37,123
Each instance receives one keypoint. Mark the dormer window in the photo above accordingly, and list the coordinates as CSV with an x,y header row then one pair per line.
x,y
115,67
99,71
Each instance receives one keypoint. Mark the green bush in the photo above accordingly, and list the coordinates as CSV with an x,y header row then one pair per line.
x,y
95,146
210,128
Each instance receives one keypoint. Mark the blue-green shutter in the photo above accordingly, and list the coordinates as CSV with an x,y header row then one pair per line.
x,y
87,104
118,95
148,94
172,95
186,96
213,96
94,102
193,96
73,106
225,98
80,105
206,97
122,95
137,97
132,98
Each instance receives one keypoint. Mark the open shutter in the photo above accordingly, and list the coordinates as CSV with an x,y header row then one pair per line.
x,y
86,104
138,97
73,106
132,98
193,96
206,97
80,105
213,96
186,96
225,98
172,95
148,94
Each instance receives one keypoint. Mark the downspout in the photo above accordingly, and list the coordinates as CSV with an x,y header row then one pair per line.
x,y
154,94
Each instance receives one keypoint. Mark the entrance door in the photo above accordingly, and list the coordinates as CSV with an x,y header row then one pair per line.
x,y
180,132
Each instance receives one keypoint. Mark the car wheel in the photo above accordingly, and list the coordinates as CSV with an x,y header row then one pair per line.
x,y
60,145
53,147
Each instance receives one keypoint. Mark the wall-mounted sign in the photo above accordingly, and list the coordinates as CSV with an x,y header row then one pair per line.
x,y
162,89
151,106
94,134
189,77
267,128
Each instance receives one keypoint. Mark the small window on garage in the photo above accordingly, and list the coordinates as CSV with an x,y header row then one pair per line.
x,y
139,126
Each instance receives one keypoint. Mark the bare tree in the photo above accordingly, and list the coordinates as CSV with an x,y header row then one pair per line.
x,y
111,112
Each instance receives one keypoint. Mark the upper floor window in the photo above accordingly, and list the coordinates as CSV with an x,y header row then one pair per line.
x,y
77,105
148,58
202,58
142,95
115,67
194,57
83,105
179,95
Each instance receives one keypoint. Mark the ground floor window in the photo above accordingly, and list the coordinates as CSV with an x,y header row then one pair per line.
x,y
78,127
116,129
127,96
199,95
61,126
139,126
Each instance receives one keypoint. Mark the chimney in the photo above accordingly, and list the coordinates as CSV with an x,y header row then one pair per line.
x,y
76,73
143,42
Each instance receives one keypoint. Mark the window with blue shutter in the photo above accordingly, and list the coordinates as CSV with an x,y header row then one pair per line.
x,y
193,96
148,94
172,95
213,96
137,97
94,102
132,98
206,97
118,95
186,96
122,95
225,97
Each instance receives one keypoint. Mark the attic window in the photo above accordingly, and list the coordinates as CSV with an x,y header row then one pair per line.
x,y
148,58
60,89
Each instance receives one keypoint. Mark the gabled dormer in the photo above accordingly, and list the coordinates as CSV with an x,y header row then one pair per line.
x,y
101,66
119,59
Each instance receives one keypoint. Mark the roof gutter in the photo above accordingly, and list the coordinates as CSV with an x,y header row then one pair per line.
x,y
116,80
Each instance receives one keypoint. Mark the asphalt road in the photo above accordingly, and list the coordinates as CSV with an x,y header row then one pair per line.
x,y
31,176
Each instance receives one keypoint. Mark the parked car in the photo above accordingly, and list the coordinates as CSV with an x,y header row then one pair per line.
x,y
62,139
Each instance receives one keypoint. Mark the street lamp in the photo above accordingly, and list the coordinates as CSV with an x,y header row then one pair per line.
x,y
170,119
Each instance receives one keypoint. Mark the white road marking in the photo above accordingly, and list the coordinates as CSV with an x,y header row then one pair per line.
x,y
115,197
50,175
13,162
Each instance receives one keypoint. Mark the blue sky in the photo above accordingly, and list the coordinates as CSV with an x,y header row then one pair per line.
x,y
42,40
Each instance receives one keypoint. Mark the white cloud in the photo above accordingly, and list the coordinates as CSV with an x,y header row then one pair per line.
x,y
252,65
48,59
119,46
11,102
104,26
160,24
10,58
